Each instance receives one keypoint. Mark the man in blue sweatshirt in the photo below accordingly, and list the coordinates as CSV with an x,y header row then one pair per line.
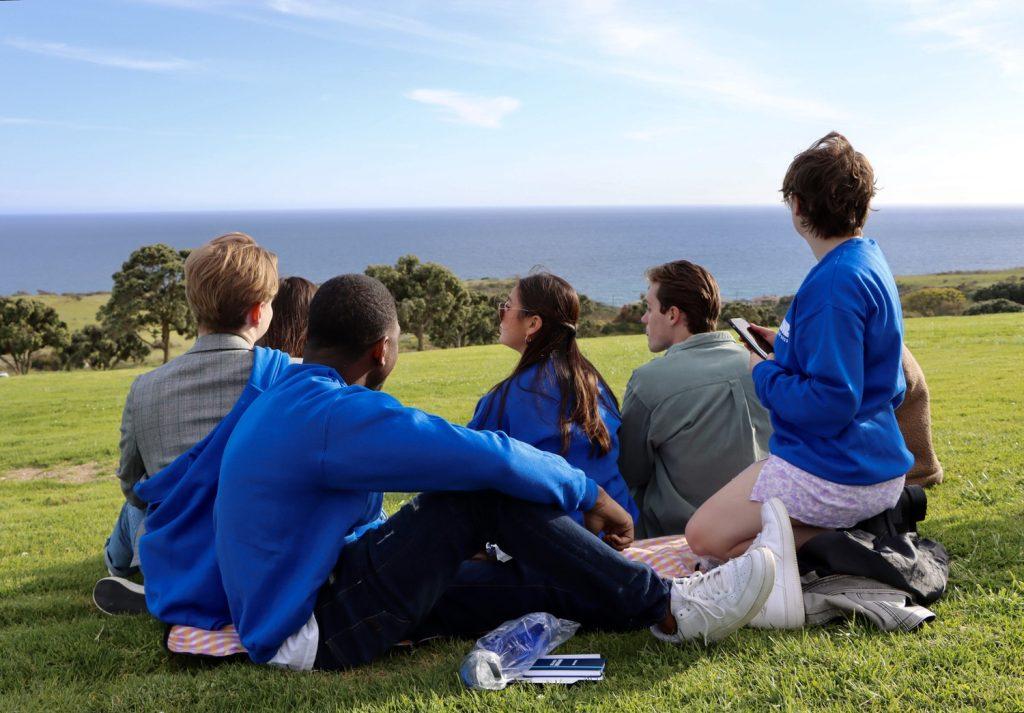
x,y
317,576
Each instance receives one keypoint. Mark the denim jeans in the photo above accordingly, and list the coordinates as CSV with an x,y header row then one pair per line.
x,y
121,553
410,577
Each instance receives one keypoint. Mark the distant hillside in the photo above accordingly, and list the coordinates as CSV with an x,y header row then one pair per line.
x,y
966,282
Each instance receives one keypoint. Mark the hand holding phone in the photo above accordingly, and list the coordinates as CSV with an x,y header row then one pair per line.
x,y
753,341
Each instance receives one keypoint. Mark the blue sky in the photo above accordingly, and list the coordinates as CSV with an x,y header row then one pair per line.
x,y
240,104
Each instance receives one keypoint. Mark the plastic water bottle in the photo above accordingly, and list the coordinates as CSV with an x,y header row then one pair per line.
x,y
505,653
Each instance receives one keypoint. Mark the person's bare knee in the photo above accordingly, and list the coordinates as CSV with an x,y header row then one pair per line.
x,y
701,539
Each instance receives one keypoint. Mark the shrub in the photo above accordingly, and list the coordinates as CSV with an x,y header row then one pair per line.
x,y
995,306
935,301
760,313
1012,290
96,348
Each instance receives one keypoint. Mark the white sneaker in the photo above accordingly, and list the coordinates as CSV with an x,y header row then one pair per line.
x,y
785,607
713,605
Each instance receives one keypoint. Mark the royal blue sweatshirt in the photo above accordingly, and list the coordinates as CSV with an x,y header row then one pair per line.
x,y
303,475
837,378
531,415
183,582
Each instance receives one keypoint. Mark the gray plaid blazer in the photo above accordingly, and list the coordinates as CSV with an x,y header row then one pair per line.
x,y
173,407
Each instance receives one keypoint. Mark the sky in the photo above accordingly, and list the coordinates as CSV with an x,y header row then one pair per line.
x,y
137,105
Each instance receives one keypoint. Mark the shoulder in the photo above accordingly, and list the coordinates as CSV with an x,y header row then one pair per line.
x,y
687,368
536,380
856,279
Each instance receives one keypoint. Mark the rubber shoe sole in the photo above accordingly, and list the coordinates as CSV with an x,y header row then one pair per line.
x,y
114,595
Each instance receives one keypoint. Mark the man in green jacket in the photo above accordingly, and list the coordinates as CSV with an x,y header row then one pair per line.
x,y
690,420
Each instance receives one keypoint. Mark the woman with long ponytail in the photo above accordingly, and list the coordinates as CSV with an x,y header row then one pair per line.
x,y
555,399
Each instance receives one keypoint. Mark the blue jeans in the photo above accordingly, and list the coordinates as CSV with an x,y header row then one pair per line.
x,y
121,551
410,578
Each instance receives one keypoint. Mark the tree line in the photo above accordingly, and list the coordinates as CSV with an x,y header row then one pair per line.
x,y
147,305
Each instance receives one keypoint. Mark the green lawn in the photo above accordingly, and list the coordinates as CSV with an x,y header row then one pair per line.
x,y
59,653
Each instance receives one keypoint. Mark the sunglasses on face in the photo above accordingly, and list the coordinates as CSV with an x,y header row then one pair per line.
x,y
506,306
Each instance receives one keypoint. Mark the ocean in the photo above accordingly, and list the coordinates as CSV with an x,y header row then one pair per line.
x,y
603,252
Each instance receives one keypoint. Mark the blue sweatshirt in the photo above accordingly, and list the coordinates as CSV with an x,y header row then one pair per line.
x,y
837,377
183,583
303,475
531,416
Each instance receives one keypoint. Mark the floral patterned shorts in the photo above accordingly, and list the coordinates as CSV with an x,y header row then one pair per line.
x,y
819,502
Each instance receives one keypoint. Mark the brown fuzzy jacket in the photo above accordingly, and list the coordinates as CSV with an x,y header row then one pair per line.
x,y
915,421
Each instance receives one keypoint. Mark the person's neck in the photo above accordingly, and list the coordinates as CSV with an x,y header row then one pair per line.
x,y
353,374
680,337
249,334
823,246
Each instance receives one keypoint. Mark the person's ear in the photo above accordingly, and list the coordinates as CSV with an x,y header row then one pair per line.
x,y
254,314
674,315
794,205
533,325
379,350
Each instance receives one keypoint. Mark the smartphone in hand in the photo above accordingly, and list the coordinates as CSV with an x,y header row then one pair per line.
x,y
755,342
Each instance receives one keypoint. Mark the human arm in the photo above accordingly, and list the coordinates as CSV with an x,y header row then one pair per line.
x,y
372,442
768,335
609,517
131,468
826,395
636,455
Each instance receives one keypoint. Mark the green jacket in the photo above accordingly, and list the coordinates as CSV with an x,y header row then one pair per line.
x,y
690,423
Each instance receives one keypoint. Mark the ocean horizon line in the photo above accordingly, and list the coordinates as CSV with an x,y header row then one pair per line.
x,y
475,208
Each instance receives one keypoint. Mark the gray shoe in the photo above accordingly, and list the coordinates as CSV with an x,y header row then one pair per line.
x,y
114,595
713,605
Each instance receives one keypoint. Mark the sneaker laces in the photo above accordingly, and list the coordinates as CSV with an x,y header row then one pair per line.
x,y
701,592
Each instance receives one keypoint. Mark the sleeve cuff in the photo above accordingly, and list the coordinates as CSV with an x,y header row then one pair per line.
x,y
589,496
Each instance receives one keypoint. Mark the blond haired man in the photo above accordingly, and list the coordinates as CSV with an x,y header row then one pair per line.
x,y
230,283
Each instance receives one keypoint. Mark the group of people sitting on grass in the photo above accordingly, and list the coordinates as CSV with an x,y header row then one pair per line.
x,y
254,475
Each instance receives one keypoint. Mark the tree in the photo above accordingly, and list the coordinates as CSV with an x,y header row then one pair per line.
x,y
426,293
97,348
26,326
932,301
149,294
473,319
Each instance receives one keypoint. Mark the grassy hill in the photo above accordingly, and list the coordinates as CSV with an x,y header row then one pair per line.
x,y
61,654
964,281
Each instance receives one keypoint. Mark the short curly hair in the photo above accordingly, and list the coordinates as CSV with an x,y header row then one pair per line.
x,y
348,314
834,185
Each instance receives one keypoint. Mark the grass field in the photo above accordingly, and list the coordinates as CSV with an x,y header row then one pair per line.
x,y
58,653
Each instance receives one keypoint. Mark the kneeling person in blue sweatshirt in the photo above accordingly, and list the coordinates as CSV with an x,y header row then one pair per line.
x,y
317,576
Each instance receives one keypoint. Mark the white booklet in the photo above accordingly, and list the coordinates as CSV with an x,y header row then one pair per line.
x,y
566,668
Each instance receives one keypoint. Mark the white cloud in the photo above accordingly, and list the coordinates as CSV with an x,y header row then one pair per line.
x,y
988,28
601,37
487,112
104,58
668,53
